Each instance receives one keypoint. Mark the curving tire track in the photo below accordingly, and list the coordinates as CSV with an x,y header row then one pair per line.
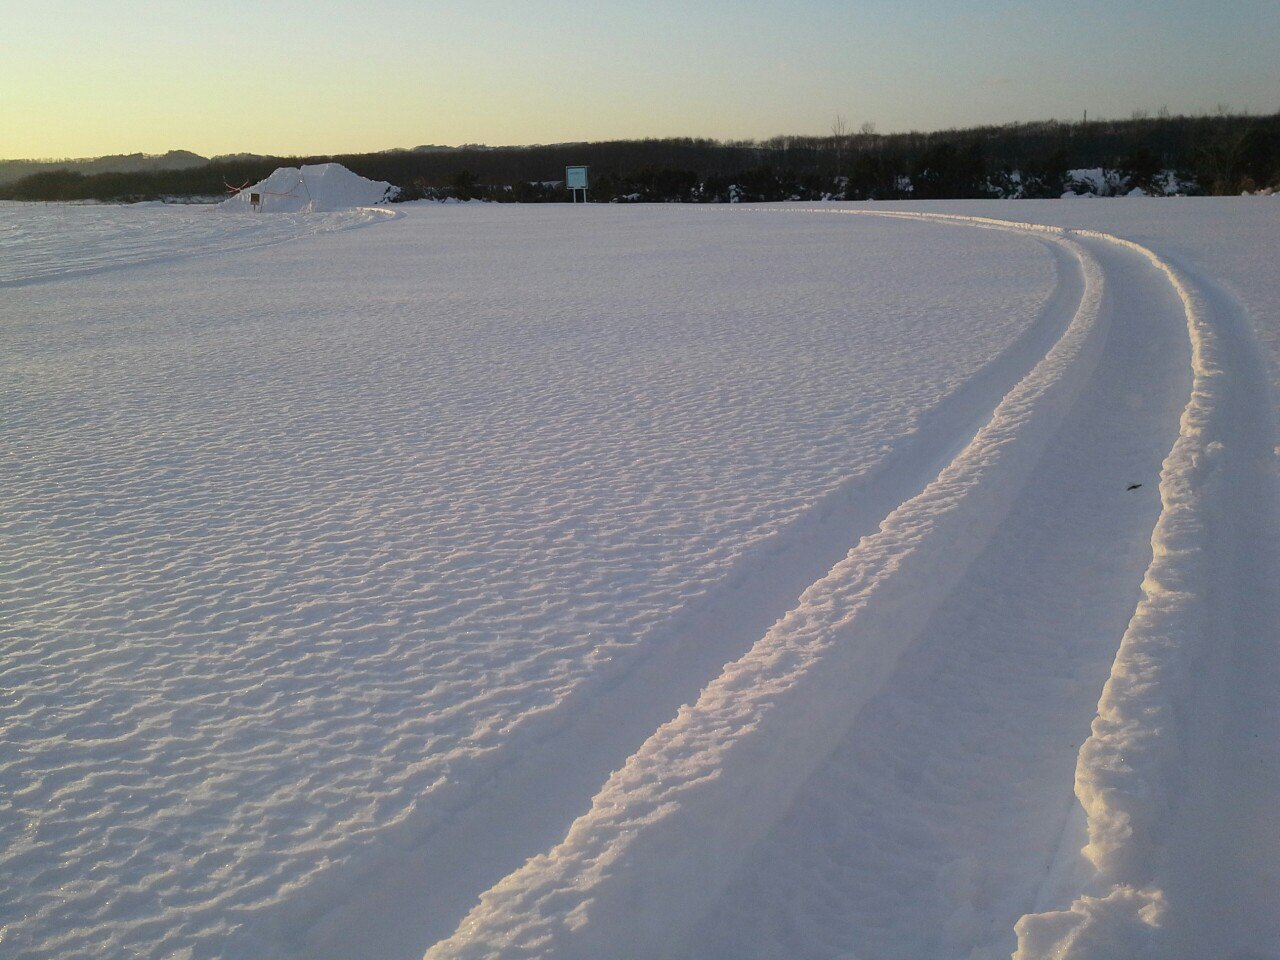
x,y
709,784
1170,850
406,903
941,809
638,874
1179,772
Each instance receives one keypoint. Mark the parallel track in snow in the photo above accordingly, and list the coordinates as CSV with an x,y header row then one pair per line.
x,y
670,831
927,833
405,904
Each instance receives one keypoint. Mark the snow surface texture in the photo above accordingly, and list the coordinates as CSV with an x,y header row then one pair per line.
x,y
304,545
313,188
936,443
47,241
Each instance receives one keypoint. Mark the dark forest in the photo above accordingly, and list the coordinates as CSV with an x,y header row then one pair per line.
x,y
1214,155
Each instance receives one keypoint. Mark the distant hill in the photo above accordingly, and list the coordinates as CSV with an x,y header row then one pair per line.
x,y
237,158
11,170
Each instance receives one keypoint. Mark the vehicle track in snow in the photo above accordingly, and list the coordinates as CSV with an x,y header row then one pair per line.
x,y
341,542
669,829
826,712
1180,778
939,823
405,905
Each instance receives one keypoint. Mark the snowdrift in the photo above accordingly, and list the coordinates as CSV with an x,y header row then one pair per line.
x,y
312,189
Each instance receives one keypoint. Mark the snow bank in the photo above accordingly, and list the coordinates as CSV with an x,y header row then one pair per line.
x,y
713,780
314,188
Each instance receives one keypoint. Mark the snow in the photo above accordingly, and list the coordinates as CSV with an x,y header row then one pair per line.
x,y
1092,182
757,581
766,724
313,188
46,241
1097,182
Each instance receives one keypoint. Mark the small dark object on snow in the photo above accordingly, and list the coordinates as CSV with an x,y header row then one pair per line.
x,y
1133,486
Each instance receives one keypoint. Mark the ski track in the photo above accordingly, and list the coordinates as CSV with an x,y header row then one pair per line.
x,y
779,738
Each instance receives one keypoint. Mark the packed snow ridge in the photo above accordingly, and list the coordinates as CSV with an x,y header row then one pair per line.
x,y
313,188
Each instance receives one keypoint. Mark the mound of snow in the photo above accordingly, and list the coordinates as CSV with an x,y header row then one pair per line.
x,y
314,188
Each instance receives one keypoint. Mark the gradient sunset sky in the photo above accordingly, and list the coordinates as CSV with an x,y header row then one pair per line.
x,y
292,77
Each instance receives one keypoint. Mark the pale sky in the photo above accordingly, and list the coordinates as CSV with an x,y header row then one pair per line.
x,y
92,77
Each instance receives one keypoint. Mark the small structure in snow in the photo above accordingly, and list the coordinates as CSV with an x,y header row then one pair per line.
x,y
575,178
311,189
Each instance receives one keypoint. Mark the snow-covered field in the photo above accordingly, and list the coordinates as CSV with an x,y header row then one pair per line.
x,y
638,582
55,241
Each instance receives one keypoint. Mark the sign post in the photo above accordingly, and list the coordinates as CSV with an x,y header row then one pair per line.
x,y
575,178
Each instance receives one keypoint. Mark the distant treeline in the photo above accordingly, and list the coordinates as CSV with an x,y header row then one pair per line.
x,y
1224,154
11,170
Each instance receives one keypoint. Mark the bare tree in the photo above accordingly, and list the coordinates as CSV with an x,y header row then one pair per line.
x,y
840,135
